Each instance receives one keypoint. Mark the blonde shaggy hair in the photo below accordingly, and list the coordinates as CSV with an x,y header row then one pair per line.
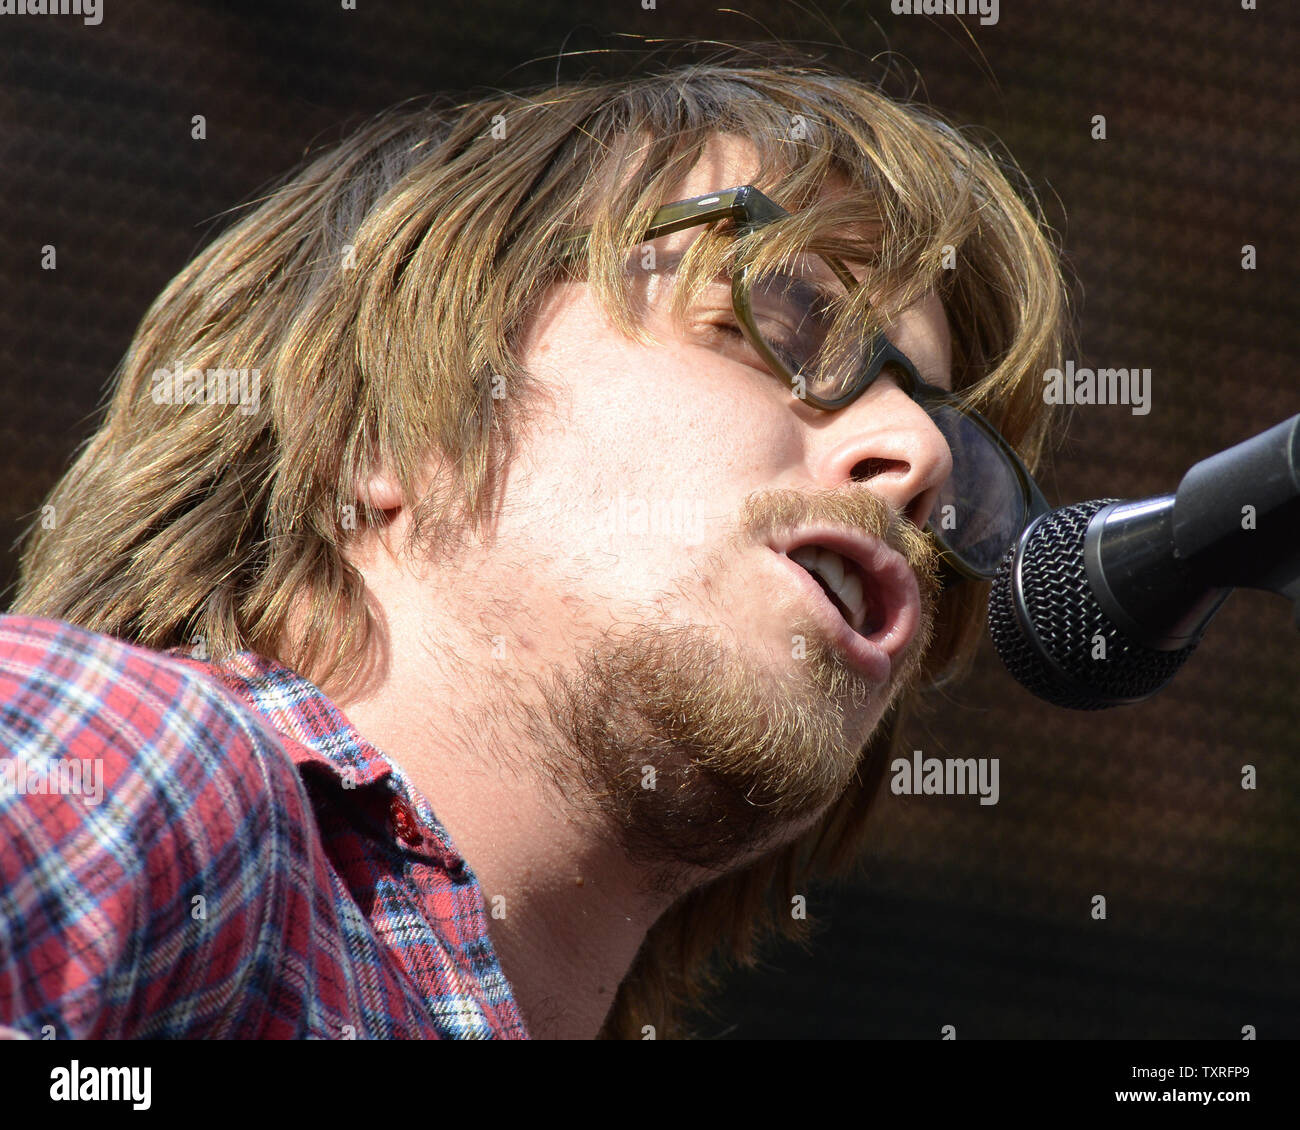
x,y
379,291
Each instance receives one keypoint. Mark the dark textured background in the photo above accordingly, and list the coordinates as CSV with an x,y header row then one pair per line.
x,y
969,915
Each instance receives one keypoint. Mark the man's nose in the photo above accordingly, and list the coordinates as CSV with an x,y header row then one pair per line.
x,y
889,442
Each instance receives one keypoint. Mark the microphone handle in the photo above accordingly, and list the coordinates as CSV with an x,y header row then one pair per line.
x,y
1156,597
1161,567
1239,513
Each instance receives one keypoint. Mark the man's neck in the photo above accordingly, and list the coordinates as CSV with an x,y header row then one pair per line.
x,y
566,911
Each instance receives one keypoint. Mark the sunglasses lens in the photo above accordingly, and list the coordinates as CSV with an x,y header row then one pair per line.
x,y
982,508
794,314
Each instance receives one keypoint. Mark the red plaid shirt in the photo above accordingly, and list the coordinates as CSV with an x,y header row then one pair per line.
x,y
193,849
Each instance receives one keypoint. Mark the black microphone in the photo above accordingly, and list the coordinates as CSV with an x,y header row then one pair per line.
x,y
1100,603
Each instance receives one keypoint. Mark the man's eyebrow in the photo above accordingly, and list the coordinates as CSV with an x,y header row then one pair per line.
x,y
812,282
665,262
808,288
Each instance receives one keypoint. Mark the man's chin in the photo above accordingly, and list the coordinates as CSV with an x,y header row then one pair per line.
x,y
697,756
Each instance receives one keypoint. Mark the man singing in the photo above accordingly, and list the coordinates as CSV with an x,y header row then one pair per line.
x,y
529,617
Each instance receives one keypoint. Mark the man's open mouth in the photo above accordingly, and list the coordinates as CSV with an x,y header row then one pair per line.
x,y
844,583
869,585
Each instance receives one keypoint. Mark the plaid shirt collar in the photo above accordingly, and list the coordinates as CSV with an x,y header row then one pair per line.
x,y
325,740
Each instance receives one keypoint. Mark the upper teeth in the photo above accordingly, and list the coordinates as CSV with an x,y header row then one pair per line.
x,y
839,575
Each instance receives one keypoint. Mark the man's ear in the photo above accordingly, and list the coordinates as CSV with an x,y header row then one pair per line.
x,y
383,492
366,542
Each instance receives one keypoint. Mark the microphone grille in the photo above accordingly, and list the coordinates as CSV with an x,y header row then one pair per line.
x,y
1059,666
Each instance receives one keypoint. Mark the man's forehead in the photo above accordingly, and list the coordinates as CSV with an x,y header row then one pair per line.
x,y
729,159
726,160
